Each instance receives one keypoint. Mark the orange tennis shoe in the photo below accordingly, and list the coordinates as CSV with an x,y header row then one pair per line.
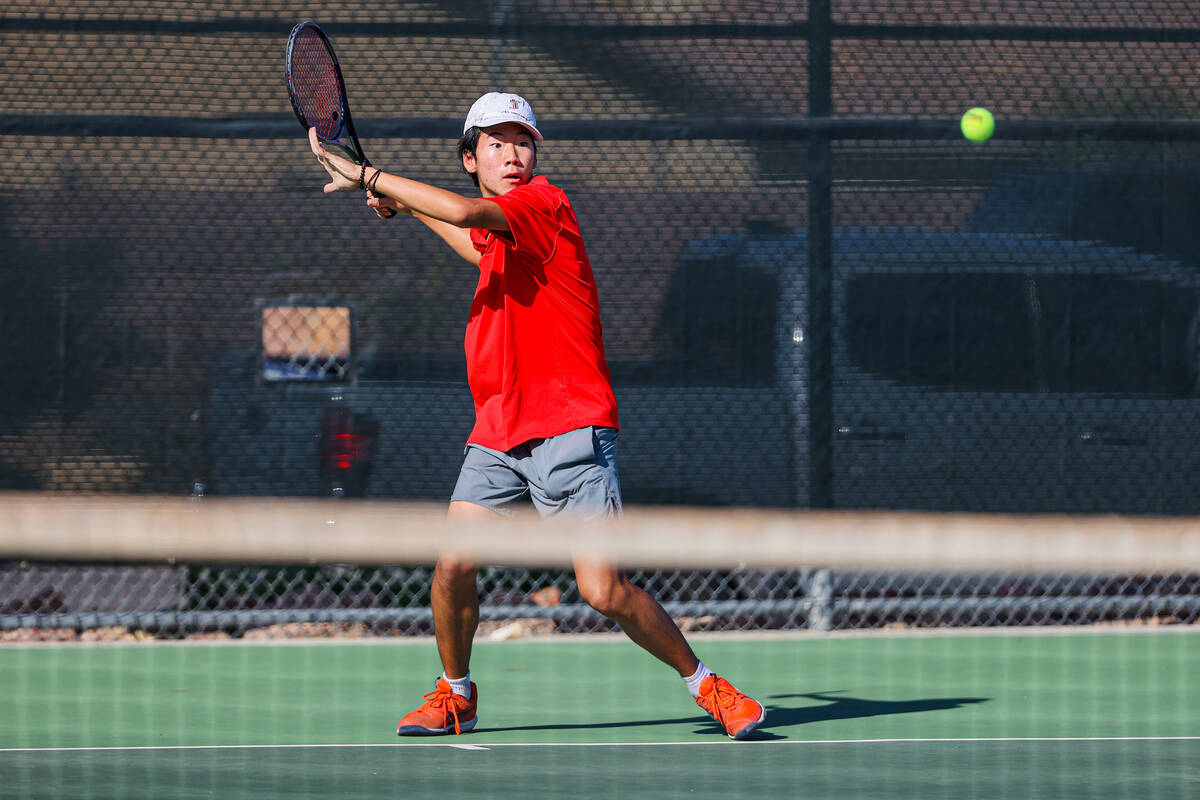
x,y
442,712
738,713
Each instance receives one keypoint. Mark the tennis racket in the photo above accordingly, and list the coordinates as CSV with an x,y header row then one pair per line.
x,y
318,93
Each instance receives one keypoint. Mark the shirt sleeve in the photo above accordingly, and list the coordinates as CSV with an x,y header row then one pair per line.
x,y
479,239
532,212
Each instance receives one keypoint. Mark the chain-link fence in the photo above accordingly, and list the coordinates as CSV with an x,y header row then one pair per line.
x,y
803,267
39,601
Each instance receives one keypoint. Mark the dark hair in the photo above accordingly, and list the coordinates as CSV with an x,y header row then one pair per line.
x,y
469,142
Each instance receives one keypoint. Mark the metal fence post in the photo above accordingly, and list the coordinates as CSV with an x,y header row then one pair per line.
x,y
820,598
820,259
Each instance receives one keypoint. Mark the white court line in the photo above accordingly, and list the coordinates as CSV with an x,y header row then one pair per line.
x,y
490,745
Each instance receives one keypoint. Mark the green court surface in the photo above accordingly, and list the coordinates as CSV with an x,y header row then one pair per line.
x,y
1090,714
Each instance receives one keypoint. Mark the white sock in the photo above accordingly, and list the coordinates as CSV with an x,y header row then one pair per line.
x,y
693,683
460,686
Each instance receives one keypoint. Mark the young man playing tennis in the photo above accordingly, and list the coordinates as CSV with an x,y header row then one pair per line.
x,y
546,417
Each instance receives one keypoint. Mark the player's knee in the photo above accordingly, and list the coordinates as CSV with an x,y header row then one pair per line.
x,y
609,595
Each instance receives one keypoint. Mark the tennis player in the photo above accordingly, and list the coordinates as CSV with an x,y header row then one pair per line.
x,y
545,414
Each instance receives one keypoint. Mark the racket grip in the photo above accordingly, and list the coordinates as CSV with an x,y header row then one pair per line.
x,y
387,213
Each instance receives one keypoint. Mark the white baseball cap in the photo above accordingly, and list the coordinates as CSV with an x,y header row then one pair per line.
x,y
497,107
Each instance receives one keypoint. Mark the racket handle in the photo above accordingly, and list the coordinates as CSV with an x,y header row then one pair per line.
x,y
387,213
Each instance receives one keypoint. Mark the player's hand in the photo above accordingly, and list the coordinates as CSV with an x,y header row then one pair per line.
x,y
343,171
386,207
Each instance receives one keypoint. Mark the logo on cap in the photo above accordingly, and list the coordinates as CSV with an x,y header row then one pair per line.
x,y
495,107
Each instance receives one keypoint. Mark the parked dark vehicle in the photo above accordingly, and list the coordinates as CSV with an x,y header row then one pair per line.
x,y
972,371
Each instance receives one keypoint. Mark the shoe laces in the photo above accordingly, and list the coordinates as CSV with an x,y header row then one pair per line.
x,y
443,700
724,698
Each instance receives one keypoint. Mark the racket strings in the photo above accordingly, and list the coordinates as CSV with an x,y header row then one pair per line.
x,y
317,91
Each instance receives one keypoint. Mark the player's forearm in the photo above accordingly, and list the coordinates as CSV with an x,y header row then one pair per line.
x,y
440,204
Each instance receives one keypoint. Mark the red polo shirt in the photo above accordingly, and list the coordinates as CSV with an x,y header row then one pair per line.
x,y
535,356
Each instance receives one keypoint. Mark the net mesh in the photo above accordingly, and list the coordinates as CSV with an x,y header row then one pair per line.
x,y
755,181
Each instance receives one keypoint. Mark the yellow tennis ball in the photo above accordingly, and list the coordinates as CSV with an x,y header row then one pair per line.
x,y
978,124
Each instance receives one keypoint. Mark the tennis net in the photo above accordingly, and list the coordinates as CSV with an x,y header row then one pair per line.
x,y
178,568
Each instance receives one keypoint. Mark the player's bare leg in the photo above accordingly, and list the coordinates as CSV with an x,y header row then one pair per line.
x,y
606,589
647,623
454,598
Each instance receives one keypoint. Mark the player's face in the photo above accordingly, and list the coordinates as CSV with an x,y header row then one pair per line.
x,y
503,159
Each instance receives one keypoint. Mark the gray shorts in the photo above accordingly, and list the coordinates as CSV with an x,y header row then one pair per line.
x,y
574,472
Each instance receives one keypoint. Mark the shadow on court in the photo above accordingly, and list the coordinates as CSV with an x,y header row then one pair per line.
x,y
838,706
846,707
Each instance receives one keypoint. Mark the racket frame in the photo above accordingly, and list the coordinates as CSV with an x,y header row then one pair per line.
x,y
355,152
346,120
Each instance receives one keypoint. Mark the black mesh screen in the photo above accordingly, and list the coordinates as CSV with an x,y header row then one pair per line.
x,y
815,292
